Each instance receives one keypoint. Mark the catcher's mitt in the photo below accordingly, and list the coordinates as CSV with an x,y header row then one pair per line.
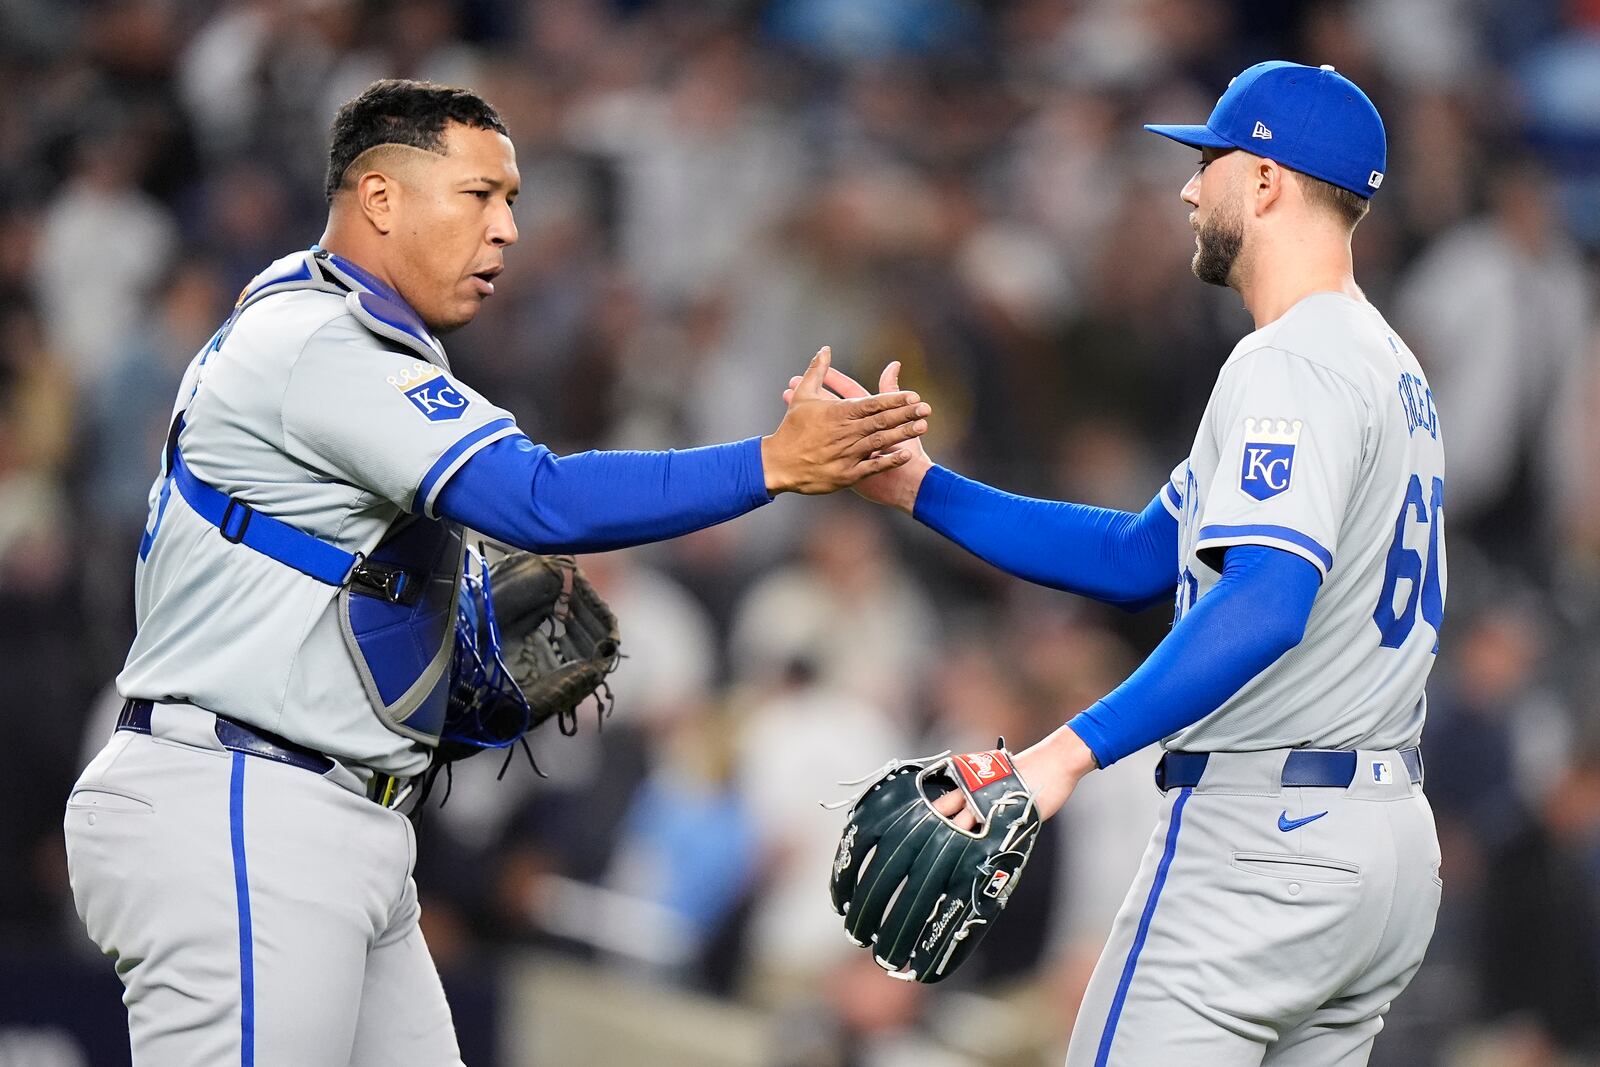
x,y
533,642
952,883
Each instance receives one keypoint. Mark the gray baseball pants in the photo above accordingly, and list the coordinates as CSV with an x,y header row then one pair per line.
x,y
1244,943
257,913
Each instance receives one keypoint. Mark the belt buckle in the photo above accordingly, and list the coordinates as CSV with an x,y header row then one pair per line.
x,y
387,791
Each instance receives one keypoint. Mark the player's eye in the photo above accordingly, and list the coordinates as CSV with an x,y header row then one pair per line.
x,y
481,194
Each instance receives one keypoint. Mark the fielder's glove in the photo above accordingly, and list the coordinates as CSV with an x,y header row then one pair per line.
x,y
952,883
533,642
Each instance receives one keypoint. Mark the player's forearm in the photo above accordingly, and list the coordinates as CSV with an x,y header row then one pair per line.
x,y
1255,613
1114,556
520,493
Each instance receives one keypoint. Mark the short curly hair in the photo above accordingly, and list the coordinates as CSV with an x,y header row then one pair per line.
x,y
401,111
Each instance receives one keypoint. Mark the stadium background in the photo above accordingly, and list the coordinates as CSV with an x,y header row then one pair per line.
x,y
710,191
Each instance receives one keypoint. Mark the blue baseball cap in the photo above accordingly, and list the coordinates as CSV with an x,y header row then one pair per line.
x,y
1310,119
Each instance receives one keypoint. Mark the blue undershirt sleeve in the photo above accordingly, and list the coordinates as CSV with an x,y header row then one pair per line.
x,y
524,495
1116,556
1255,613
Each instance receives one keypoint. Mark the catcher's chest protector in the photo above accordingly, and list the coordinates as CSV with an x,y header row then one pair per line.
x,y
397,604
398,618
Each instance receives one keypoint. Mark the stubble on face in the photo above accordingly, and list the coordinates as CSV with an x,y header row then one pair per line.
x,y
1221,243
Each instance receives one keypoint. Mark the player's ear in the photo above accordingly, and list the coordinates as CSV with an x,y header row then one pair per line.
x,y
1266,180
376,196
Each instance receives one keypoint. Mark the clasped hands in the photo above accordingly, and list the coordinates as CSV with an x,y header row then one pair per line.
x,y
833,436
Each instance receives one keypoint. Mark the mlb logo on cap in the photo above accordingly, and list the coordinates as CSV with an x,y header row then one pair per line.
x,y
1310,119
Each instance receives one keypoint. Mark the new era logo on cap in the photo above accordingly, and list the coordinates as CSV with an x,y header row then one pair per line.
x,y
1310,119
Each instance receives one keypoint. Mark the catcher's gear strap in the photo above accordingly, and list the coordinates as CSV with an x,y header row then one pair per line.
x,y
277,540
243,525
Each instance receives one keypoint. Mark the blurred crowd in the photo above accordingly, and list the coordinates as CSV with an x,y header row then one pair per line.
x,y
711,190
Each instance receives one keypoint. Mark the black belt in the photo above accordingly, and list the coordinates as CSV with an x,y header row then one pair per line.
x,y
253,741
1304,767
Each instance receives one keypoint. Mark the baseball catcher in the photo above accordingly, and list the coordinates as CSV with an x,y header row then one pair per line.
x,y
947,884
300,606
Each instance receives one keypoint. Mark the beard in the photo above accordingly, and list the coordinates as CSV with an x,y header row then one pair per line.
x,y
1221,243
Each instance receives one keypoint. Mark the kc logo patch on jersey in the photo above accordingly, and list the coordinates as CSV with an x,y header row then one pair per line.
x,y
430,392
1267,468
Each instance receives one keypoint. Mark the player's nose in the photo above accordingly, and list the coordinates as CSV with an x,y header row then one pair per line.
x,y
502,228
1191,191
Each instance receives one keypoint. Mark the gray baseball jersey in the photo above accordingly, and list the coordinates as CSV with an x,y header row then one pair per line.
x,y
306,414
1321,438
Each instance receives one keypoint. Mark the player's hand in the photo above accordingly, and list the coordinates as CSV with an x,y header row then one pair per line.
x,y
825,443
1052,768
897,486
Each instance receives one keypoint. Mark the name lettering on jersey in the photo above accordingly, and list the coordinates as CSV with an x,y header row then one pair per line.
x,y
1268,465
1417,400
429,391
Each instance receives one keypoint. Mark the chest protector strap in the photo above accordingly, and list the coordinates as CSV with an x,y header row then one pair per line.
x,y
243,525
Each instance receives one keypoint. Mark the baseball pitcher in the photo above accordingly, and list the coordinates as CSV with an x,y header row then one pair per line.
x,y
1290,888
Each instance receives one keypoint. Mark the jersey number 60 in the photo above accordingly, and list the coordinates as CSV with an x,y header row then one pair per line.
x,y
1406,563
